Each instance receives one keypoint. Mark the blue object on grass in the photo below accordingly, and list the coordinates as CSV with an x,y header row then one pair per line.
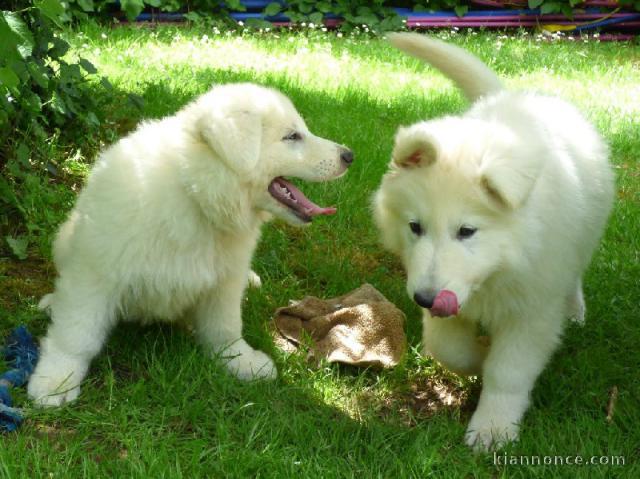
x,y
21,352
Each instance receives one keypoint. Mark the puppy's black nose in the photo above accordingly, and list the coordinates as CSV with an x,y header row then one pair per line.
x,y
347,157
425,298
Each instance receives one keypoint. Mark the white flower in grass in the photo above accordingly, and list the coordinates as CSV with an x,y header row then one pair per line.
x,y
10,98
324,29
312,25
339,35
103,36
241,23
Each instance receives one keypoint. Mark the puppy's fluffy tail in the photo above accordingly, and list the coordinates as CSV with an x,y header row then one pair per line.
x,y
472,76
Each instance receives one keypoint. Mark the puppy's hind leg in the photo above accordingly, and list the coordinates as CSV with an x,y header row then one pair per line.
x,y
576,308
81,319
218,321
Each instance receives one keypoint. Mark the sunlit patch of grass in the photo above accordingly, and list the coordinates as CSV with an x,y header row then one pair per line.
x,y
155,406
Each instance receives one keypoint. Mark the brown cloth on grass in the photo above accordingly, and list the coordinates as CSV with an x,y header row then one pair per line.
x,y
361,328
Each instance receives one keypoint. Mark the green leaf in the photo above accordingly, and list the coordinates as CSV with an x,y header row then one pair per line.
x,y
258,23
22,153
193,16
87,5
59,49
461,10
324,7
549,7
132,8
52,9
39,74
92,119
153,3
136,100
535,3
306,9
8,78
272,9
18,246
6,192
316,17
57,104
104,81
8,42
21,31
88,66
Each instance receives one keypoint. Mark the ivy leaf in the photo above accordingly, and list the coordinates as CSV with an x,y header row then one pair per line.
x,y
272,9
88,66
324,7
21,31
132,8
18,246
39,75
136,100
8,41
258,23
6,191
535,3
106,84
52,9
87,5
461,10
316,17
153,3
549,7
22,153
193,16
8,78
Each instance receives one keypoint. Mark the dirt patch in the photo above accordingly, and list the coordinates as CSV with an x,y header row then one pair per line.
x,y
423,399
22,281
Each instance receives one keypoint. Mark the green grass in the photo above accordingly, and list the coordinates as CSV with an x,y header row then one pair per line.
x,y
155,406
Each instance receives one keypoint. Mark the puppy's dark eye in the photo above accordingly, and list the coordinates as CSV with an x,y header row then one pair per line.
x,y
466,232
293,136
416,228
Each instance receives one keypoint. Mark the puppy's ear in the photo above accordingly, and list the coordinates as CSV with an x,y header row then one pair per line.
x,y
412,149
508,180
234,136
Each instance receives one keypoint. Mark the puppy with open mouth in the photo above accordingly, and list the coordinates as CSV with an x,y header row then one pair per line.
x,y
166,226
495,214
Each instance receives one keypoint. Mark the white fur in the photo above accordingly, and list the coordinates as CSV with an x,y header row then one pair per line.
x,y
166,226
532,175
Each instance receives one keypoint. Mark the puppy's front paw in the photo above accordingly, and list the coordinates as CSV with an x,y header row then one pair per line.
x,y
57,377
51,391
250,364
485,434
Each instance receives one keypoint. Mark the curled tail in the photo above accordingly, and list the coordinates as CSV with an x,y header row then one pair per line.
x,y
472,76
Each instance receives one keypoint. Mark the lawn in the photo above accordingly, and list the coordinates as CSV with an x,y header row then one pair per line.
x,y
154,405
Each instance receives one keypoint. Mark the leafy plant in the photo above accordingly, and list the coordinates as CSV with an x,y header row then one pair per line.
x,y
375,15
41,93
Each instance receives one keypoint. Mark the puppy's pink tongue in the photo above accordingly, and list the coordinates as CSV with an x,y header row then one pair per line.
x,y
445,304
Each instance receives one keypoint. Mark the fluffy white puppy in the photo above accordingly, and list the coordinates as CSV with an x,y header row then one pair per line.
x,y
495,214
167,224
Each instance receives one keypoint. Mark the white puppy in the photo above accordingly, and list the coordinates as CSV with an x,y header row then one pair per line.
x,y
495,214
167,224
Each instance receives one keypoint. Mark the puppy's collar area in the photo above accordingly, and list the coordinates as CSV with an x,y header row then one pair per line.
x,y
288,195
